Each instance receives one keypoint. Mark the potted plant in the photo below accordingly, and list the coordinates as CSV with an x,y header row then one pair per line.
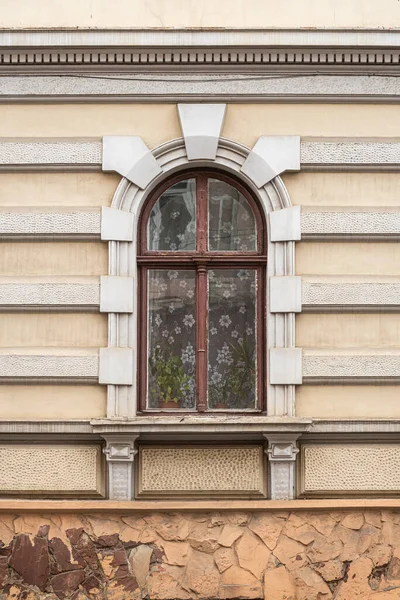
x,y
170,382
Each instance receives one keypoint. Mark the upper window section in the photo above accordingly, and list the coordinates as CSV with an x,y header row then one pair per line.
x,y
172,221
231,222
202,214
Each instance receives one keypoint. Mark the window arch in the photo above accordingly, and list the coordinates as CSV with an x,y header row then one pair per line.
x,y
202,271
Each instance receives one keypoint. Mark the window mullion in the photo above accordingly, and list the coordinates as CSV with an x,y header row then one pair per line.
x,y
201,339
202,209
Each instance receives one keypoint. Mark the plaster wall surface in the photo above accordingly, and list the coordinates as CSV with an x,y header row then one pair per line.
x,y
344,189
348,258
52,402
348,401
189,13
53,329
155,123
381,330
53,258
158,123
57,189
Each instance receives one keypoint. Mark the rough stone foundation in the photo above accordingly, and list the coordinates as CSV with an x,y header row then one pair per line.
x,y
341,555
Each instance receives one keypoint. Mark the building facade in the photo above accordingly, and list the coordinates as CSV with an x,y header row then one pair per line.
x,y
199,301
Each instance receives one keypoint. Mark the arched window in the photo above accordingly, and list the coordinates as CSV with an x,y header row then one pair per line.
x,y
202,261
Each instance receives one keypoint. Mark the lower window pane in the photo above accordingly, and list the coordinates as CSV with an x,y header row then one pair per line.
x,y
232,343
171,339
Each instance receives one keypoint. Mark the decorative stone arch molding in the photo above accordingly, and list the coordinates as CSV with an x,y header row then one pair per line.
x,y
142,170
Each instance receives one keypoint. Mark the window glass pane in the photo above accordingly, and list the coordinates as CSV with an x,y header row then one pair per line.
x,y
232,343
172,221
231,222
171,339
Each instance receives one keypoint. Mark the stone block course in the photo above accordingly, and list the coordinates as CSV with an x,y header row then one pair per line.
x,y
225,555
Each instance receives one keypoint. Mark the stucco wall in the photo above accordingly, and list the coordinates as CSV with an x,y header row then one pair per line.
x,y
189,13
296,555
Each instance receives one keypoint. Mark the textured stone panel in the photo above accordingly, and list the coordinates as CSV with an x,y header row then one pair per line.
x,y
62,152
325,291
201,470
58,363
74,470
37,291
351,364
348,152
73,222
352,223
351,467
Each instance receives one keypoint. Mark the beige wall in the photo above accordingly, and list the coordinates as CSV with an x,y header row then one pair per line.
x,y
348,258
58,402
53,330
348,401
192,13
157,123
344,189
57,189
246,122
53,258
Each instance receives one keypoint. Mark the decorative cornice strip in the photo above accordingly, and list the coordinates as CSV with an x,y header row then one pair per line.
x,y
230,38
316,154
350,366
325,224
178,87
334,153
50,153
322,294
36,293
50,364
70,223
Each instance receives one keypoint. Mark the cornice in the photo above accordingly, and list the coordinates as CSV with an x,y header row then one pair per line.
x,y
193,51
208,37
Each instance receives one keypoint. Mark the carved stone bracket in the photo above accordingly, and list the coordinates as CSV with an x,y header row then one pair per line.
x,y
120,453
282,451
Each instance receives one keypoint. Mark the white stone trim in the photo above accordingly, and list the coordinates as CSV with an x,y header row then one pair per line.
x,y
230,38
129,156
285,225
282,451
193,87
57,152
271,156
44,293
333,365
350,293
59,364
285,294
116,366
60,223
116,225
116,294
120,452
172,157
201,126
78,154
363,223
285,366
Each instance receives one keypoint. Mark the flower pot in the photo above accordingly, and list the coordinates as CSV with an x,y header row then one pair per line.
x,y
170,404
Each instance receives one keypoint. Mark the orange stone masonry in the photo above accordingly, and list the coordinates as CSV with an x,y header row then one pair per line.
x,y
323,553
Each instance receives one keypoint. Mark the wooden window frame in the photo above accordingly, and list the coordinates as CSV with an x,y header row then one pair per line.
x,y
201,261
